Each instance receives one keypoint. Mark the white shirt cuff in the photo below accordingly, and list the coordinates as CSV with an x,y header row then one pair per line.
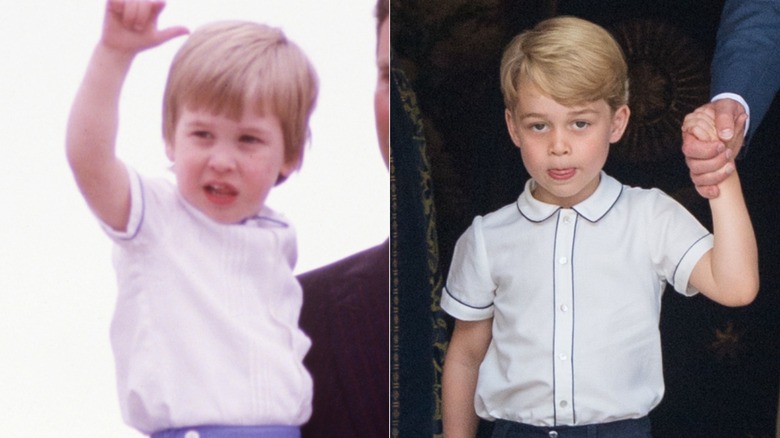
x,y
739,99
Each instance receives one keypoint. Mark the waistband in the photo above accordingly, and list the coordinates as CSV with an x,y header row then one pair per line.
x,y
230,432
633,428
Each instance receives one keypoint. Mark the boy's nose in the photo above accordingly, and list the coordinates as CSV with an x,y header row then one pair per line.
x,y
222,159
559,145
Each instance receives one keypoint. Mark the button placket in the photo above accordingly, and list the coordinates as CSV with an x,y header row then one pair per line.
x,y
564,316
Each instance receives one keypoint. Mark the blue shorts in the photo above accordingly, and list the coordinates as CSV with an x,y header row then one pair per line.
x,y
231,432
638,428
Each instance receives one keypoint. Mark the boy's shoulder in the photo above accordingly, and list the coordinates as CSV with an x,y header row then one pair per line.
x,y
505,215
645,206
636,194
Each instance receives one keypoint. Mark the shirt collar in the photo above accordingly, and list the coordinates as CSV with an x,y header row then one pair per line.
x,y
265,218
593,208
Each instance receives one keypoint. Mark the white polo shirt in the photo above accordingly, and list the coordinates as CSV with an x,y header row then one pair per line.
x,y
206,324
576,297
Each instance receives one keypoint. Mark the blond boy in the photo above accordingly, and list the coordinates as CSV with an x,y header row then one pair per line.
x,y
205,332
557,296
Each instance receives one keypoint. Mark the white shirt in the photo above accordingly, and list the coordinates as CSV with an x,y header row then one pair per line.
x,y
206,324
576,296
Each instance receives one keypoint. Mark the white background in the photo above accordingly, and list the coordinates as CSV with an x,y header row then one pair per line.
x,y
57,287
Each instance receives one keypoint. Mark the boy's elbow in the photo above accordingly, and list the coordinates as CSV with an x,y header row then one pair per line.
x,y
744,295
75,152
751,295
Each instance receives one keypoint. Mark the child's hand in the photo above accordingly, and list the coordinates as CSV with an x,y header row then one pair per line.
x,y
130,26
709,170
701,124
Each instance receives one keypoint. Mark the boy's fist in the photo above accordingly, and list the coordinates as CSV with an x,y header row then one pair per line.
x,y
131,25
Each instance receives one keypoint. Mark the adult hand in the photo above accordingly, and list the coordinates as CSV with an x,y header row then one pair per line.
x,y
711,161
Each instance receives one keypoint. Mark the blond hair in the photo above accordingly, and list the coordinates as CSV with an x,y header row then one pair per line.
x,y
233,66
572,60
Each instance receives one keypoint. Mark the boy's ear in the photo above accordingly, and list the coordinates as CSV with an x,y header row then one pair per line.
x,y
169,151
288,167
511,127
619,123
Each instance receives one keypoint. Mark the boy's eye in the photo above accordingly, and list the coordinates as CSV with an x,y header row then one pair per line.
x,y
201,134
250,139
581,124
537,127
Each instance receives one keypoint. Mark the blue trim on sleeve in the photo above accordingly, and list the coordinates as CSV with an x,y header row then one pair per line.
x,y
467,305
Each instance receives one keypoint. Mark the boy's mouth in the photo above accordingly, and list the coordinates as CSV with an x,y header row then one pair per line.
x,y
220,193
561,174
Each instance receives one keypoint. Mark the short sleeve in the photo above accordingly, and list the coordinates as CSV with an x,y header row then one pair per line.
x,y
136,211
682,275
678,241
470,289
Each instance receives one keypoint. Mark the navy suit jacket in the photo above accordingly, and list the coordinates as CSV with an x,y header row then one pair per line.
x,y
345,313
747,55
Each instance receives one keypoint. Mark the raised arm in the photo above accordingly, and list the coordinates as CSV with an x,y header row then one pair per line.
x,y
129,27
728,273
467,348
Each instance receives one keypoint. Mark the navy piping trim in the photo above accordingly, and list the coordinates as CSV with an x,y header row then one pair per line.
x,y
605,211
573,317
555,306
467,305
143,208
677,266
519,210
266,218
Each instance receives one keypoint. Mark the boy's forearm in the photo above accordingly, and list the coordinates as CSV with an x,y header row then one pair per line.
x,y
735,253
469,342
91,138
93,122
458,387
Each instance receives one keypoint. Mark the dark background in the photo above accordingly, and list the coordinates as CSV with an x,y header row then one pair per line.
x,y
721,364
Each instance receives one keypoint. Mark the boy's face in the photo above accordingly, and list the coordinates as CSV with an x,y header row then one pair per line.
x,y
382,91
225,168
563,148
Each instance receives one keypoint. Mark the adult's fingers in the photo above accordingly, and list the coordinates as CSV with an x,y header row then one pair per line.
x,y
702,150
709,192
727,118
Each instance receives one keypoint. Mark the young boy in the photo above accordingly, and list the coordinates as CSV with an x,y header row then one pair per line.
x,y
557,296
205,333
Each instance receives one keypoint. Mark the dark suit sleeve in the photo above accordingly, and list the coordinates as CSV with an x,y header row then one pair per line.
x,y
747,55
345,313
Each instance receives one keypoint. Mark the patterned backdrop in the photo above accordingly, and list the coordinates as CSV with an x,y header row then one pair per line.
x,y
721,364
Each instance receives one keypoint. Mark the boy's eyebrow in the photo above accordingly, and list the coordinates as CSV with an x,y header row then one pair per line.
x,y
578,112
196,122
583,111
522,116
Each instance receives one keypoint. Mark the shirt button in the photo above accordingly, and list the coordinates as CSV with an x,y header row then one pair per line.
x,y
563,403
192,434
566,219
563,260
564,308
553,434
563,357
